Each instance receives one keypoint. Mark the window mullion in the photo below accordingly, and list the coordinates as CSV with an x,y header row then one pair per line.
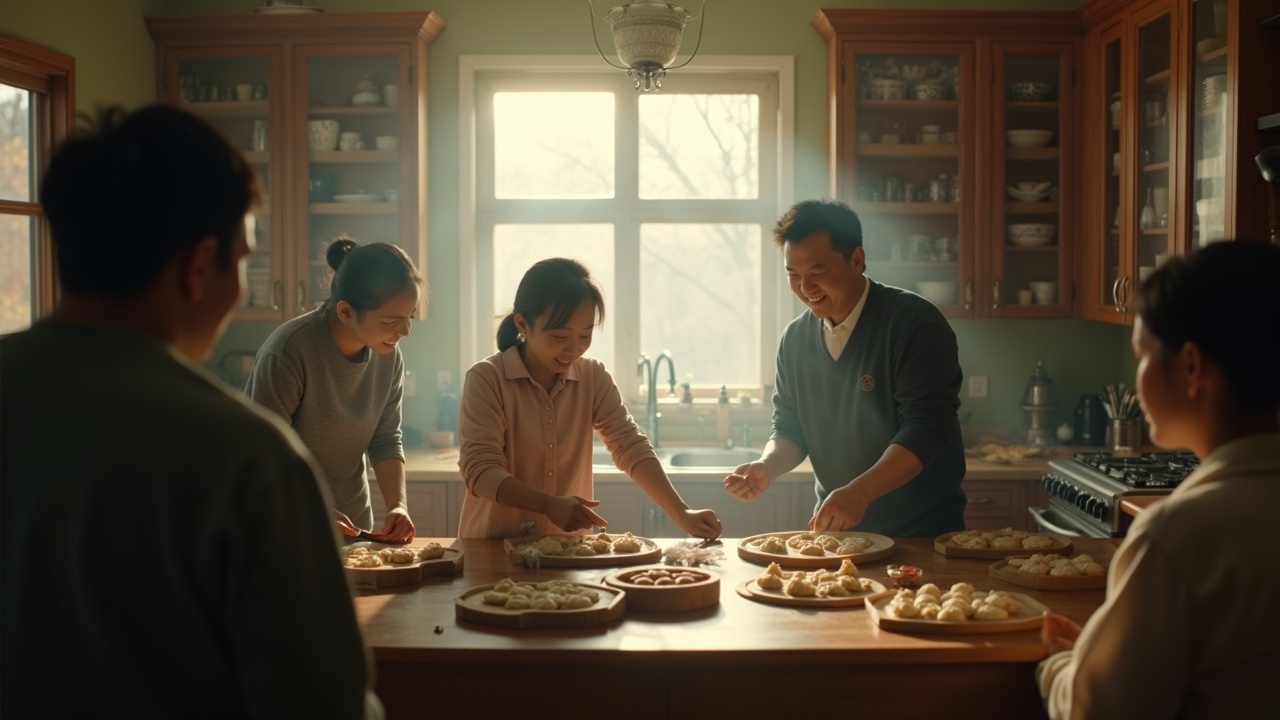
x,y
628,303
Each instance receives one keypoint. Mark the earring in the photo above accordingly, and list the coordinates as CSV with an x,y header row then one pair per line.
x,y
520,337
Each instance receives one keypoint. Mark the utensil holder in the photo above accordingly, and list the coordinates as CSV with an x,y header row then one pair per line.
x,y
1124,437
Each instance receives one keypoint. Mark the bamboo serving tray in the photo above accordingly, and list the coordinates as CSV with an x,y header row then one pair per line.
x,y
1061,546
398,574
1001,570
702,593
649,552
610,607
1029,617
748,549
752,591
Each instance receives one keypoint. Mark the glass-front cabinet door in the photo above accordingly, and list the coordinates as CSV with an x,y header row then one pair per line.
x,y
912,168
351,149
1029,248
1106,237
232,89
1208,107
1149,221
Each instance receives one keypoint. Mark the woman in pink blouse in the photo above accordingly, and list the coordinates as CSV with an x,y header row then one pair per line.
x,y
528,413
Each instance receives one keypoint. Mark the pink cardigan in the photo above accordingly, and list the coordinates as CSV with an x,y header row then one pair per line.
x,y
511,427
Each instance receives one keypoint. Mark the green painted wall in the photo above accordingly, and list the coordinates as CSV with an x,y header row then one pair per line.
x,y
115,58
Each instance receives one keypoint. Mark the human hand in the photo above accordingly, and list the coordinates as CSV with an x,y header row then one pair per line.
x,y
843,509
397,528
748,481
1059,632
573,513
345,526
700,523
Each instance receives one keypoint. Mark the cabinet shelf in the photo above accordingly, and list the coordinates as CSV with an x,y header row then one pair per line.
x,y
353,110
1155,231
909,105
260,157
1025,208
352,208
1269,122
1214,55
1042,250
1156,166
909,208
229,108
1049,105
353,156
1031,153
907,150
1158,78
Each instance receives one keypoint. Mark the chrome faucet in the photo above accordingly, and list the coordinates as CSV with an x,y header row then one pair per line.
x,y
649,371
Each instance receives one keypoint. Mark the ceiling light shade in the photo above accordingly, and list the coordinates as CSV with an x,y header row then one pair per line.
x,y
647,37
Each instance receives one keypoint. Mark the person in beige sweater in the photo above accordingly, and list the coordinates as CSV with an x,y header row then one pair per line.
x,y
1191,624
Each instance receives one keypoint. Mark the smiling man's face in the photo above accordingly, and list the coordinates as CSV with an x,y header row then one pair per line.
x,y
823,280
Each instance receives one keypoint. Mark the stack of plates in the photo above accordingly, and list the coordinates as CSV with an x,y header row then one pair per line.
x,y
1212,89
259,281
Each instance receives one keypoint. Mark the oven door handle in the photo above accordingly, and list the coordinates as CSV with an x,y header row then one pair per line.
x,y
1041,516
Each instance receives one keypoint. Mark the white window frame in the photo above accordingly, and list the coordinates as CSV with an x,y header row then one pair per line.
x,y
475,224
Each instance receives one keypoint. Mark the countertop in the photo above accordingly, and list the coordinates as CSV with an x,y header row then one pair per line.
x,y
701,663
442,464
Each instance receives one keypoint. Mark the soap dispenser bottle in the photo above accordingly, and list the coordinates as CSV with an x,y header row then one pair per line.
x,y
722,417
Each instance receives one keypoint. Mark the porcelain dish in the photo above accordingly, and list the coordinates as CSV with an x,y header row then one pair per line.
x,y
1029,138
1032,234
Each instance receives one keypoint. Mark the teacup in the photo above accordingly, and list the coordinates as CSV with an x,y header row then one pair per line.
x,y
386,142
322,134
350,141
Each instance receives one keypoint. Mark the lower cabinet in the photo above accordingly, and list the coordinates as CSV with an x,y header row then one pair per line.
x,y
628,508
996,504
434,507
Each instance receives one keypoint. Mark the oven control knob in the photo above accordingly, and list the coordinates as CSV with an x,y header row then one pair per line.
x,y
1092,507
1082,500
1101,512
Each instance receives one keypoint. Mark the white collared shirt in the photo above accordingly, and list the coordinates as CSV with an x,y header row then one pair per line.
x,y
837,336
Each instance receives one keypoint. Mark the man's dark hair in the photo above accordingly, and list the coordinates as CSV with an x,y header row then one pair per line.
x,y
809,217
131,191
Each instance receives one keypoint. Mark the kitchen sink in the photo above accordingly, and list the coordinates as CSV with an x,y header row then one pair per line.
x,y
710,457
689,457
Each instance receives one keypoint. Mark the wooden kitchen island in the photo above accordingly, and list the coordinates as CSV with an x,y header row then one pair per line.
x,y
740,659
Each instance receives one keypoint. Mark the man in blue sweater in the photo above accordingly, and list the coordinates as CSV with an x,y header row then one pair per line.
x,y
868,383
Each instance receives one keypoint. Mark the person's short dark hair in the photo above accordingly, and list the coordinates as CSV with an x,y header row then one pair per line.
x,y
130,191
366,276
558,285
809,217
1225,298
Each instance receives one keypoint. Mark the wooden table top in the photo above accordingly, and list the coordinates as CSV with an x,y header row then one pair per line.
x,y
417,624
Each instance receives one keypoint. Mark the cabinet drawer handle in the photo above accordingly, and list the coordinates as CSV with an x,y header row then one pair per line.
x,y
995,294
968,295
1115,294
277,294
979,501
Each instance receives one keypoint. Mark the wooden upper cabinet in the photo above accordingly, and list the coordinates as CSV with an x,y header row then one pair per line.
x,y
953,135
1173,94
285,88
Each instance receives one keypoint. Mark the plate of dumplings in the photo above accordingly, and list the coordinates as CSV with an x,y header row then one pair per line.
x,y
1044,571
547,604
997,544
960,609
817,589
599,550
367,563
814,550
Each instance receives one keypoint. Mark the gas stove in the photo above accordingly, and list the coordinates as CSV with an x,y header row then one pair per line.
x,y
1085,490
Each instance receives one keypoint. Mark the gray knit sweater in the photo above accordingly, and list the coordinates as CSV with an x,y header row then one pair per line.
x,y
897,381
342,409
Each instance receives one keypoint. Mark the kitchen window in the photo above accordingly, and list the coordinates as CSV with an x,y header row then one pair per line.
x,y
36,113
667,197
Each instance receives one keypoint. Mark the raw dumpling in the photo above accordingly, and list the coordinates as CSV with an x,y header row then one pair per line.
x,y
431,551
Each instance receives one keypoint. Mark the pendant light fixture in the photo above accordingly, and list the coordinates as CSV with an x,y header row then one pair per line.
x,y
647,37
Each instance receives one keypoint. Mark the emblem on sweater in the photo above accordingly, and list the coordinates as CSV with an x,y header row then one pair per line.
x,y
867,383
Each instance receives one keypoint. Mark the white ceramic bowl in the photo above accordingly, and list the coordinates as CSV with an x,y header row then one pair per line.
x,y
938,292
1032,234
386,142
888,89
1024,196
1030,90
1045,293
1029,138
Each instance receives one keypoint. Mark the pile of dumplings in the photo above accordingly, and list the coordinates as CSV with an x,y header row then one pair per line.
x,y
959,604
1057,565
584,545
363,557
821,583
812,544
1004,539
549,595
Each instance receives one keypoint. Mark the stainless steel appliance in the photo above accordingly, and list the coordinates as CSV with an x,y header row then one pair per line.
x,y
1085,491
